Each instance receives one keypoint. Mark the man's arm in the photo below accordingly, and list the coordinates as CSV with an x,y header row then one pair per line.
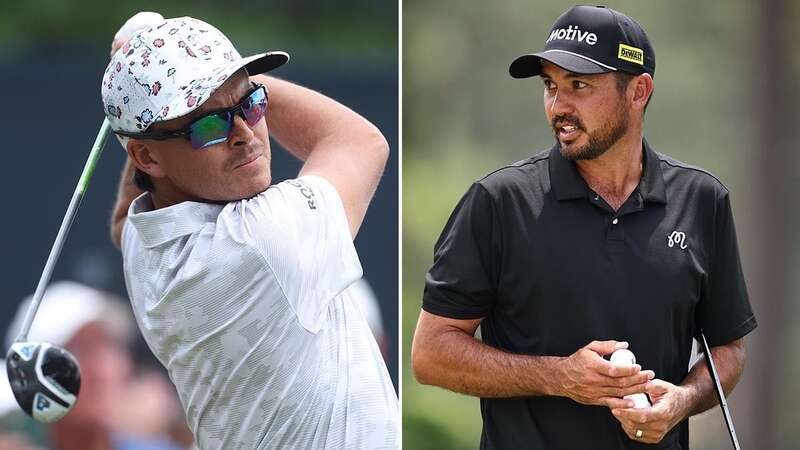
x,y
126,193
729,361
335,142
445,353
673,404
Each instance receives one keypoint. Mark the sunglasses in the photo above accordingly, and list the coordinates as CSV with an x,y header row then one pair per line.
x,y
216,126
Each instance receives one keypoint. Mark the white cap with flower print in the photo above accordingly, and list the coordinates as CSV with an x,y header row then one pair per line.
x,y
168,69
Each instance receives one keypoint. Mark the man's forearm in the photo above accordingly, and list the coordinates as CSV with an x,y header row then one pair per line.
x,y
333,141
464,364
126,193
302,120
729,362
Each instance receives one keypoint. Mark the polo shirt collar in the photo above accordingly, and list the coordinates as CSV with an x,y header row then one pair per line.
x,y
652,185
157,226
568,184
565,179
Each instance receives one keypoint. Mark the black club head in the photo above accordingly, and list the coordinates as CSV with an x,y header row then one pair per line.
x,y
45,379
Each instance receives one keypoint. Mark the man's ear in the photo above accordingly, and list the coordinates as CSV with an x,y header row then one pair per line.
x,y
642,89
144,158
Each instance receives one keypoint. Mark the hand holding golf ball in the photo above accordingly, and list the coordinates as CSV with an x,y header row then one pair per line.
x,y
587,377
626,357
137,22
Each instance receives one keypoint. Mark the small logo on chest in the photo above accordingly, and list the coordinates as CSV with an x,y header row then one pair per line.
x,y
677,238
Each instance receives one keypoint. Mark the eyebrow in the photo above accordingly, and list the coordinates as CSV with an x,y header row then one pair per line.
x,y
568,75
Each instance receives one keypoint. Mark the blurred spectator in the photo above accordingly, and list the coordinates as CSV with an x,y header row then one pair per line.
x,y
114,411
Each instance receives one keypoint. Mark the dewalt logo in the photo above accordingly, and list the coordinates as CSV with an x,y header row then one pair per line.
x,y
632,54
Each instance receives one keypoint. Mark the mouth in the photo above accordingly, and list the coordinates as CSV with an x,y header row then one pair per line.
x,y
567,132
248,161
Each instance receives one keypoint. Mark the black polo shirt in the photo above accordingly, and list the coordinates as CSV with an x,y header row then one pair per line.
x,y
550,266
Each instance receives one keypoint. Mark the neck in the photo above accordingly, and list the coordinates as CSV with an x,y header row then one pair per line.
x,y
166,194
615,173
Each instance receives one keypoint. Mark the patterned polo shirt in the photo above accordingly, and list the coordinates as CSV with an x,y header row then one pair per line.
x,y
245,305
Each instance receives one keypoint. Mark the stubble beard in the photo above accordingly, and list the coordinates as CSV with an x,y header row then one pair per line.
x,y
600,140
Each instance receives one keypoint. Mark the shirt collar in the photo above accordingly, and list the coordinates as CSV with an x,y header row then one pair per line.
x,y
157,226
568,184
652,186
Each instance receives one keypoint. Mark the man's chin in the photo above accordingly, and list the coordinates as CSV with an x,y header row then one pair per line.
x,y
258,186
571,150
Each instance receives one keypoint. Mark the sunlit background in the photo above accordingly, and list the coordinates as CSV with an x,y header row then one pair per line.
x,y
725,99
52,56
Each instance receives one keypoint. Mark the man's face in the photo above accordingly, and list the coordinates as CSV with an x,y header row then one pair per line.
x,y
588,113
232,170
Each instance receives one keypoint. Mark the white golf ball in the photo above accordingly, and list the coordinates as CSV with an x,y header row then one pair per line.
x,y
623,356
626,357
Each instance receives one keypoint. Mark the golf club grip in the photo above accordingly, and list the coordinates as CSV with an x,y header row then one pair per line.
x,y
720,393
66,223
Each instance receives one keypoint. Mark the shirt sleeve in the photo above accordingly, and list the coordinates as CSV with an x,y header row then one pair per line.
x,y
724,313
301,229
462,282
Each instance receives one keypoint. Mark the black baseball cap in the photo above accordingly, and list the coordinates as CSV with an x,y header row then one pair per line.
x,y
591,39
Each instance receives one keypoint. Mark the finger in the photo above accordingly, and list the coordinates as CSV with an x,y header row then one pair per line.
x,y
631,432
659,387
603,348
117,44
639,416
650,433
642,377
624,382
137,22
622,392
616,403
612,370
624,370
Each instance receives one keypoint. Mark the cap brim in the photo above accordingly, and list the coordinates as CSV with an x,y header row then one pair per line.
x,y
255,64
530,65
265,62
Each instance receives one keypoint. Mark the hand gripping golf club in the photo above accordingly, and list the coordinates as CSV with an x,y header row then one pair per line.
x,y
45,378
720,393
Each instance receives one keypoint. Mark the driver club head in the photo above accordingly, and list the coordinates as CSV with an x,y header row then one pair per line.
x,y
45,379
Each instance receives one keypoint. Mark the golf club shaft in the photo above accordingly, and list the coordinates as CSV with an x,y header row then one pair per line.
x,y
720,393
72,210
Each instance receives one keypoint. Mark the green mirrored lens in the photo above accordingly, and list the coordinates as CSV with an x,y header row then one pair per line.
x,y
209,130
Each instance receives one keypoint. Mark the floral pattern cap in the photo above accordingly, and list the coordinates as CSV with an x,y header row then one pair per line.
x,y
168,69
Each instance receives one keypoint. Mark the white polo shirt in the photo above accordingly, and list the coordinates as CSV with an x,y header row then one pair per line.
x,y
245,305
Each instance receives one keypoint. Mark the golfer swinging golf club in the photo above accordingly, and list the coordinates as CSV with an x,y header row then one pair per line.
x,y
596,244
236,283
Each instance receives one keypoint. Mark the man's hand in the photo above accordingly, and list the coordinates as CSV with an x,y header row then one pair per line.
x,y
588,378
669,409
135,23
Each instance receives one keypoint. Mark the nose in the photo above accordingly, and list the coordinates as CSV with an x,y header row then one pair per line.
x,y
560,104
241,133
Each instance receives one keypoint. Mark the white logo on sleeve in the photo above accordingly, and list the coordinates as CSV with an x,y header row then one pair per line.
x,y
572,34
677,238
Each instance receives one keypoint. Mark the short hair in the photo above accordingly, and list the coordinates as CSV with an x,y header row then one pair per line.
x,y
624,79
143,181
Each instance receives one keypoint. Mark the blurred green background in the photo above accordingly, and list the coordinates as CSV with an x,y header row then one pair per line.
x,y
327,29
725,99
